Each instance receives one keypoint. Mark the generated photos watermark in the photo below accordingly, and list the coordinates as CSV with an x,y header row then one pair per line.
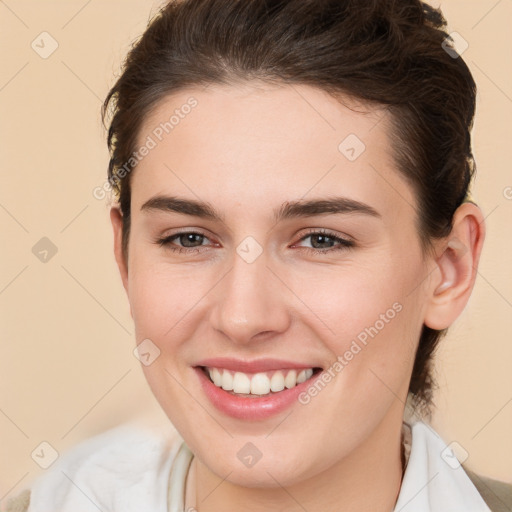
x,y
151,142
356,346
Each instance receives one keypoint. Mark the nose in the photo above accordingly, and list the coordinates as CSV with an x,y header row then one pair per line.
x,y
251,302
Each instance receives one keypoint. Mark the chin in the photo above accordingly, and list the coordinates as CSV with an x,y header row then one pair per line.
x,y
264,474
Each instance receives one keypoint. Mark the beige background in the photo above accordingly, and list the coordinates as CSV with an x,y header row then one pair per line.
x,y
67,367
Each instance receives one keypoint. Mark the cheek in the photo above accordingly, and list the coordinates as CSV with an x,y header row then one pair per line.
x,y
372,318
352,300
165,299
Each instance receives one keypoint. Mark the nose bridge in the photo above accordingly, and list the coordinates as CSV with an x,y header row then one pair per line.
x,y
250,299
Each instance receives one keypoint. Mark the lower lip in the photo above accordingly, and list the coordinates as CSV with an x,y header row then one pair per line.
x,y
251,409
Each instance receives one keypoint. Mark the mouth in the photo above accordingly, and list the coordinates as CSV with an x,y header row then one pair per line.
x,y
260,384
254,390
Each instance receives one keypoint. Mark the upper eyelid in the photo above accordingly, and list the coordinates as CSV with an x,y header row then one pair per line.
x,y
325,232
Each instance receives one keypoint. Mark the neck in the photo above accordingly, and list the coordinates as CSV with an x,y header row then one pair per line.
x,y
369,479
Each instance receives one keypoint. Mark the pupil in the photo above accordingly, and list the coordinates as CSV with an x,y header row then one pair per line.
x,y
189,238
321,237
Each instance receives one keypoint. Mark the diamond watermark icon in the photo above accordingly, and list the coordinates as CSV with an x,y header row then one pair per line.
x,y
454,455
351,147
146,352
44,250
249,455
44,455
249,249
44,45
454,45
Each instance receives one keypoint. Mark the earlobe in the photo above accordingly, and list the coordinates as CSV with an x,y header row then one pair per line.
x,y
116,219
455,268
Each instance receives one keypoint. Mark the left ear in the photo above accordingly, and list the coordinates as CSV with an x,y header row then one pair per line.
x,y
456,266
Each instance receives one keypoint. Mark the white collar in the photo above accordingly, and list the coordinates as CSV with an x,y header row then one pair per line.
x,y
429,482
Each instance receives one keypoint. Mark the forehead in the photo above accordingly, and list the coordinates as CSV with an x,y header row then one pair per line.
x,y
278,115
252,140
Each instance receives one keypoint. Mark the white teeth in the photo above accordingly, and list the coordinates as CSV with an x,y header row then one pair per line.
x,y
301,377
241,383
216,376
304,375
227,381
277,382
291,379
259,383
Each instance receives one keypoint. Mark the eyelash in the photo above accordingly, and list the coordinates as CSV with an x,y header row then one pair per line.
x,y
343,243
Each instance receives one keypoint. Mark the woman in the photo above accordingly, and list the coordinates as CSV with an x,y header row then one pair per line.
x,y
294,235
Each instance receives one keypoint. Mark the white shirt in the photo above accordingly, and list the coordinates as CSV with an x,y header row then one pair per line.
x,y
430,483
127,469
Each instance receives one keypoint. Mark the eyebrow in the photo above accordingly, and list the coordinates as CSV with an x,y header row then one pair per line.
x,y
288,210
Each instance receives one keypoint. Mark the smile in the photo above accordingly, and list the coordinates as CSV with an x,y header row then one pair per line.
x,y
254,390
257,384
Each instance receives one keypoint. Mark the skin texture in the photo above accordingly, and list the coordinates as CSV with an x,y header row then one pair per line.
x,y
246,149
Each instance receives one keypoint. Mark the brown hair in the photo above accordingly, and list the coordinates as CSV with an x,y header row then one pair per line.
x,y
387,52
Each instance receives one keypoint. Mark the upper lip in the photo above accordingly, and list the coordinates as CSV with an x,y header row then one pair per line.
x,y
254,366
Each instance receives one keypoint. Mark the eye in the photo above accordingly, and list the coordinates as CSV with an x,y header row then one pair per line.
x,y
192,241
321,237
186,238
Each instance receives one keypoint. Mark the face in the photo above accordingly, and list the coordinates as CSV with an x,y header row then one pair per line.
x,y
268,245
